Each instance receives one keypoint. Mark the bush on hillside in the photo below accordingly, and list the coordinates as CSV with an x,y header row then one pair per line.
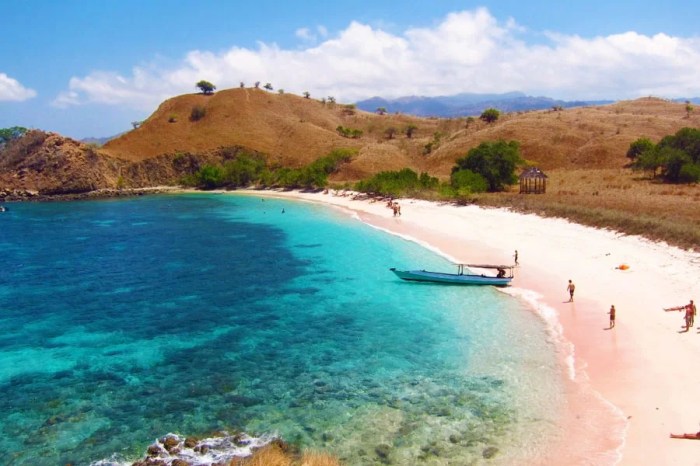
x,y
467,182
494,161
198,112
349,132
676,156
244,169
397,183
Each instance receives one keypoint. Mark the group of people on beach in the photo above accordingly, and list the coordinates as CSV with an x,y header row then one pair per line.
x,y
690,312
690,309
393,205
571,288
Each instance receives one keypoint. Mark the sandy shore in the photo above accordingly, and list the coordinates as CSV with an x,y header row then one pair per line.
x,y
628,387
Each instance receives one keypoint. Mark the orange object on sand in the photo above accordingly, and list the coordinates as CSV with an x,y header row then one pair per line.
x,y
623,266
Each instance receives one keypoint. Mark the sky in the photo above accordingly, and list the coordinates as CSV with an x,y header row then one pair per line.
x,y
88,68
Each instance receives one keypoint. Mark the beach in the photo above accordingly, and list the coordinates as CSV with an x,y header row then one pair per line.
x,y
628,387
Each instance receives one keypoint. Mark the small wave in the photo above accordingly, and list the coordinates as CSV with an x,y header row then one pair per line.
x,y
549,315
197,452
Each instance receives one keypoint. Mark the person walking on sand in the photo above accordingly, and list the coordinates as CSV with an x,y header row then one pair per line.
x,y
515,256
570,288
612,316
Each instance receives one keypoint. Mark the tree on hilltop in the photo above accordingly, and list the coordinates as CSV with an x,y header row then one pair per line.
x,y
206,87
268,86
9,134
490,115
306,94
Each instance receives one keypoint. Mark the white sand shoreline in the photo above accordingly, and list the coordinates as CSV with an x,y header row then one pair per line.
x,y
644,373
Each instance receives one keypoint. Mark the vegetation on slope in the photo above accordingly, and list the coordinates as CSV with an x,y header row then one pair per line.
x,y
580,149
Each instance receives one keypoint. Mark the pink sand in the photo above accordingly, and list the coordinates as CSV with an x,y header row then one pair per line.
x,y
629,387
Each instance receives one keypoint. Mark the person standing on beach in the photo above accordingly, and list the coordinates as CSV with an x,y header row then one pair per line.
x,y
515,256
612,316
693,312
570,288
690,311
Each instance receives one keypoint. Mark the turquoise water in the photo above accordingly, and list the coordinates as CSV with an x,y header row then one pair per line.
x,y
124,320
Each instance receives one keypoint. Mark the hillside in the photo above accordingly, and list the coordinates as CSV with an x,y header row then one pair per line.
x,y
292,130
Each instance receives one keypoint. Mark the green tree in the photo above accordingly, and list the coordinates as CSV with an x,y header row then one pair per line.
x,y
673,161
649,160
206,87
490,115
688,108
638,147
685,139
495,161
306,94
9,134
268,86
381,110
209,177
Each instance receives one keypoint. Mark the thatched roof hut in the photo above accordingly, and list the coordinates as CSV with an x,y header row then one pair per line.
x,y
533,181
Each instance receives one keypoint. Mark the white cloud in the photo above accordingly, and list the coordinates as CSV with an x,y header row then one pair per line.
x,y
11,89
468,51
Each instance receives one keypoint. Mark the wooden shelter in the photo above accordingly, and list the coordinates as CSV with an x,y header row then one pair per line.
x,y
533,181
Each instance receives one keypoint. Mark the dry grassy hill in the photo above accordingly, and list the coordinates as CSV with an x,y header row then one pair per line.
x,y
292,130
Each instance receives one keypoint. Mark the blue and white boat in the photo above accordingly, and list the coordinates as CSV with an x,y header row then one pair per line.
x,y
460,278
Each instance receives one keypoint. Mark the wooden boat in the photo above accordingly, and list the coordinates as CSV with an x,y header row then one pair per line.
x,y
460,278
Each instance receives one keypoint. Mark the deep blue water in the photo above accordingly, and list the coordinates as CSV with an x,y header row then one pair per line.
x,y
123,320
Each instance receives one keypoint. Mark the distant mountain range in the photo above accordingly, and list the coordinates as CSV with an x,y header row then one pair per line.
x,y
468,104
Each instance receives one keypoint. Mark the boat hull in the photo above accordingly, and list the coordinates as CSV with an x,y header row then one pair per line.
x,y
451,278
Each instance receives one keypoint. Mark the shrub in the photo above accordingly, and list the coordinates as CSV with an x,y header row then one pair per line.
x,y
397,183
349,132
689,173
466,181
198,112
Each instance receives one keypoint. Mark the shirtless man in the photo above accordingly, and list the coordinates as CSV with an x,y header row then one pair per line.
x,y
570,288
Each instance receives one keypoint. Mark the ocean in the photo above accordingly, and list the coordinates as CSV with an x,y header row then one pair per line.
x,y
124,320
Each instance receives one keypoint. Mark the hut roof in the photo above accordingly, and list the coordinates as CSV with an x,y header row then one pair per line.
x,y
532,172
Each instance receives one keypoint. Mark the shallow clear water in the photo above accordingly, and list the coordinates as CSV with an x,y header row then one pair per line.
x,y
124,320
